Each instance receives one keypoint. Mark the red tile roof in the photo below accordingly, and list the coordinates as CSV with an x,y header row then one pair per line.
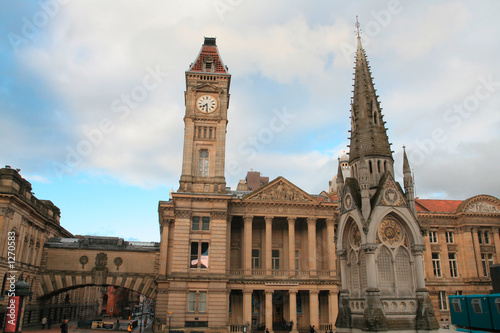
x,y
206,52
437,206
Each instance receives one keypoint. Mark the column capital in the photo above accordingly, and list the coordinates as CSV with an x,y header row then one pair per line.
x,y
369,248
330,221
313,292
268,219
247,218
246,291
495,229
291,219
417,249
342,254
166,221
311,219
269,292
293,291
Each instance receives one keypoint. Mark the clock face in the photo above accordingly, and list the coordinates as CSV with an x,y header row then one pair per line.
x,y
206,104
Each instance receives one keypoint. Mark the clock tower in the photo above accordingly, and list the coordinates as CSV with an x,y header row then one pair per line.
x,y
205,122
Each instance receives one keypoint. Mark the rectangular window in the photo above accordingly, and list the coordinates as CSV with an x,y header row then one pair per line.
x,y
255,258
202,301
276,259
200,222
443,304
205,223
480,236
436,264
433,236
486,237
192,301
449,237
203,163
195,223
453,264
199,255
197,301
487,260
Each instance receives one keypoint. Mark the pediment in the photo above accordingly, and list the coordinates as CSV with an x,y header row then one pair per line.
x,y
207,87
484,204
280,190
389,193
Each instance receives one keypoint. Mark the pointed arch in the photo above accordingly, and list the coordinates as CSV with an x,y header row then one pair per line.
x,y
404,272
354,272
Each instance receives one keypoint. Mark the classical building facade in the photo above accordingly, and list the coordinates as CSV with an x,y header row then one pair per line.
x,y
26,224
264,256
251,259
462,241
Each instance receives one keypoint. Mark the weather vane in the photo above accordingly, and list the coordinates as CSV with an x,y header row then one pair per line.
x,y
357,25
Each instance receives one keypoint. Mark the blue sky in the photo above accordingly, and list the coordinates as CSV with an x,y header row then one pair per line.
x,y
66,68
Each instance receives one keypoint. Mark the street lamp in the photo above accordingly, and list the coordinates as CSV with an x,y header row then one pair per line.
x,y
169,320
142,313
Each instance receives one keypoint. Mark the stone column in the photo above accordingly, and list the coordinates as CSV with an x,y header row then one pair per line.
x,y
477,252
496,241
293,309
330,246
371,267
417,251
165,226
247,243
228,242
333,307
314,309
311,240
291,247
269,310
342,257
269,244
247,308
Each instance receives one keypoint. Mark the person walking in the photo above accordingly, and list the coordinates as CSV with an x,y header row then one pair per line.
x,y
44,322
64,326
130,328
49,323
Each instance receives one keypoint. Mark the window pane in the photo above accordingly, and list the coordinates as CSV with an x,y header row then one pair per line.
x,y
202,301
206,223
204,255
191,301
194,255
196,223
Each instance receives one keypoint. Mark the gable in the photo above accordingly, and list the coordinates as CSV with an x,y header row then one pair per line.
x,y
389,192
280,190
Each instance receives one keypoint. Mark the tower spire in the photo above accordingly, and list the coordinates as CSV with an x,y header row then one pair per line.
x,y
368,132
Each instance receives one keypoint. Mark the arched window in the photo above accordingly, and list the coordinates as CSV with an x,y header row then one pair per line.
x,y
385,271
404,280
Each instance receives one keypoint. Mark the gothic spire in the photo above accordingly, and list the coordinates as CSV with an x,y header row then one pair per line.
x,y
367,125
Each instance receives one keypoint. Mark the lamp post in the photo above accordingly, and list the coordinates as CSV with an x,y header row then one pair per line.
x,y
142,313
169,320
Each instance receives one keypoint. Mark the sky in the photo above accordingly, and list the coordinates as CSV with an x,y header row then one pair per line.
x,y
92,96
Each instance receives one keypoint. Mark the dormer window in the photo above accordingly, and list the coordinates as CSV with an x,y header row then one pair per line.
x,y
208,64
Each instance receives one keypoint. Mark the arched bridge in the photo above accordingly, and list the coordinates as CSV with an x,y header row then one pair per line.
x,y
69,263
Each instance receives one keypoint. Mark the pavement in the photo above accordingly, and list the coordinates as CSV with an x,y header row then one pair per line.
x,y
73,328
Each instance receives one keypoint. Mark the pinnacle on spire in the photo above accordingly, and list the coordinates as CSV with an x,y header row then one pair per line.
x,y
406,164
367,126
